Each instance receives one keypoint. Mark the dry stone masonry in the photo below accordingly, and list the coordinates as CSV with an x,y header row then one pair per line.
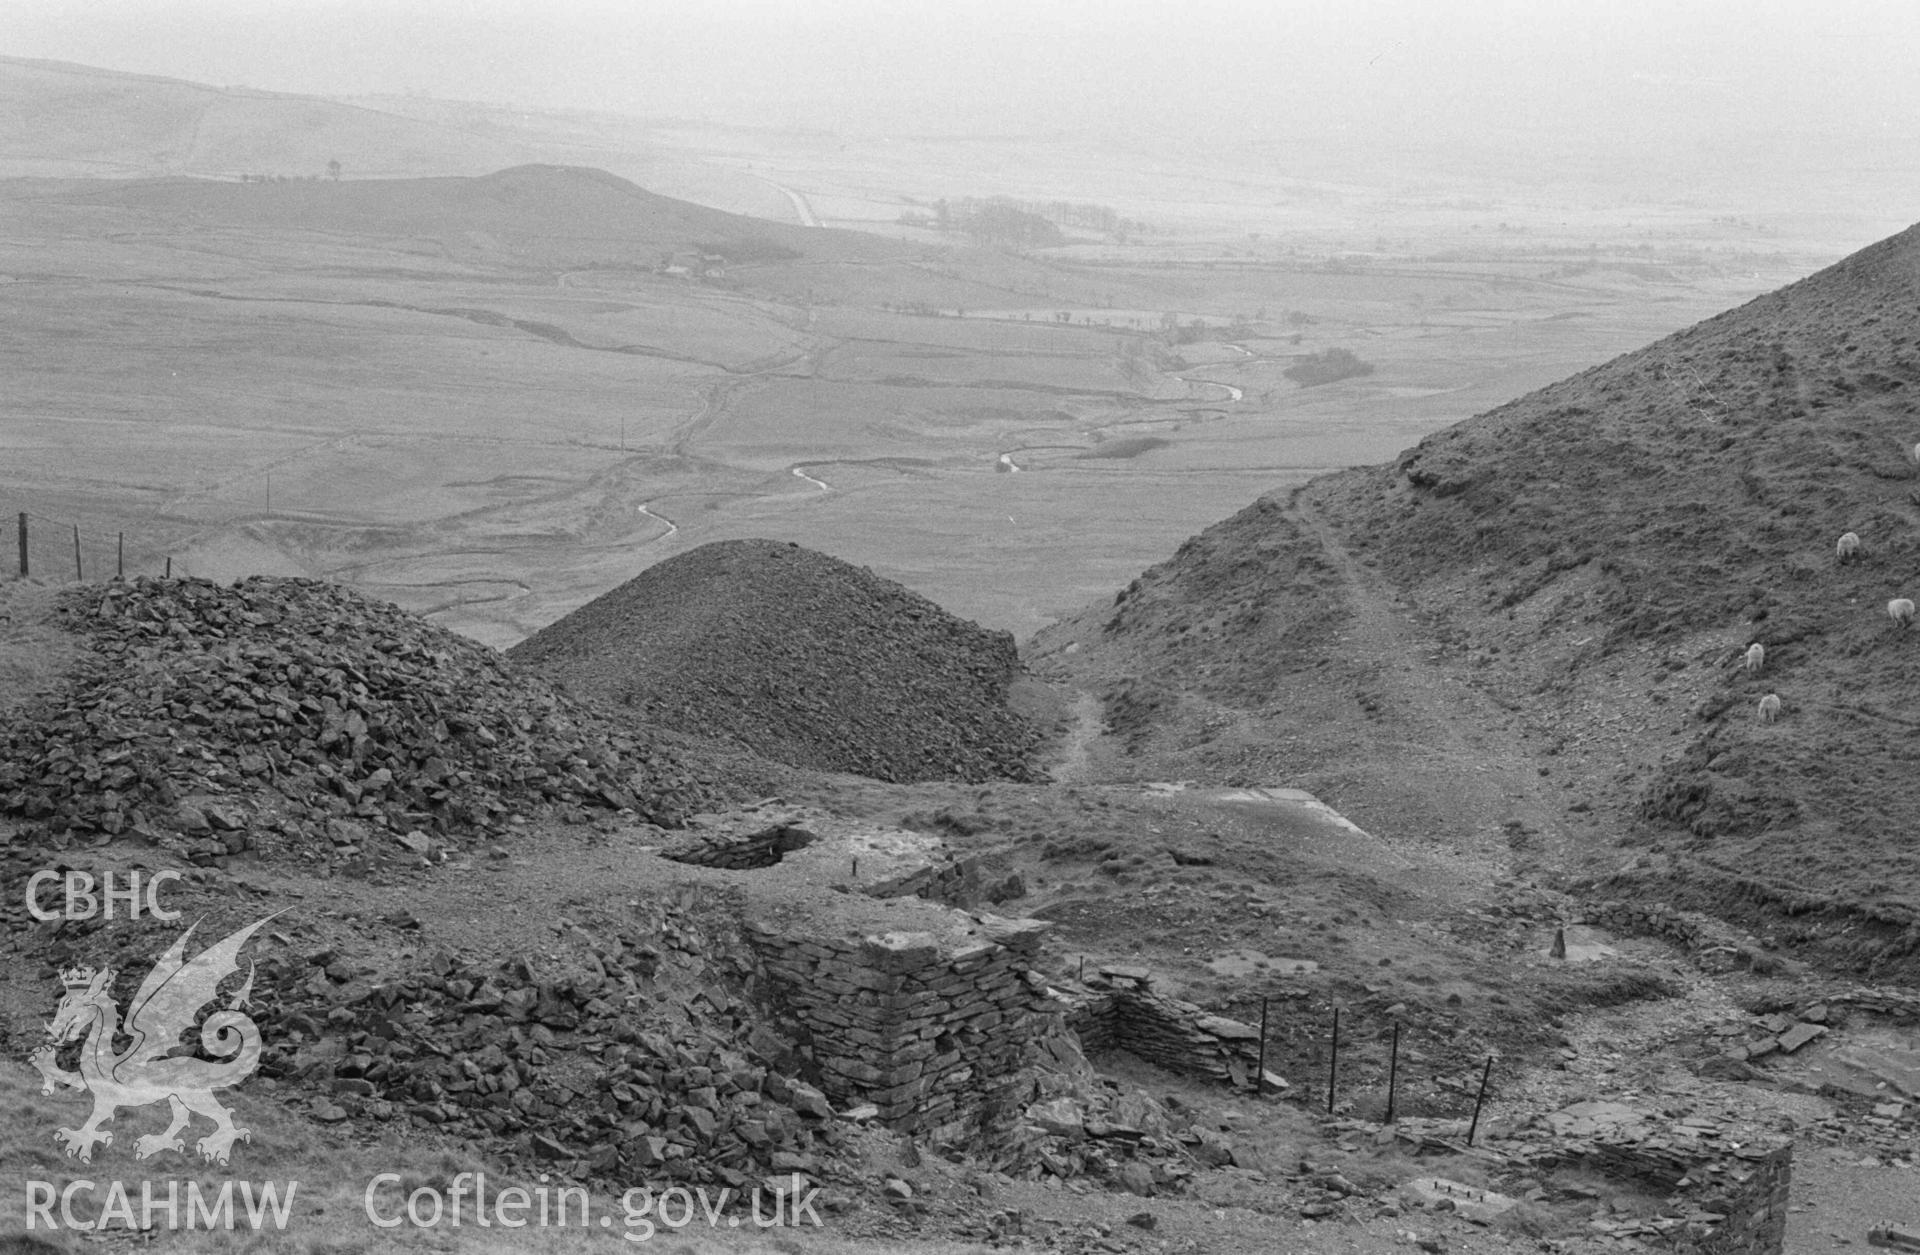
x,y
1696,933
936,1032
753,850
1725,1180
1119,1010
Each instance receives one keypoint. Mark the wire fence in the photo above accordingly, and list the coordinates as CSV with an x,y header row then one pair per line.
x,y
53,549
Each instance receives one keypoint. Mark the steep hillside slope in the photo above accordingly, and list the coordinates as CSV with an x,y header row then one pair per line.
x,y
1596,557
800,657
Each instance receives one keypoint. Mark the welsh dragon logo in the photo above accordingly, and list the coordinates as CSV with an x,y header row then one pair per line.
x,y
148,1070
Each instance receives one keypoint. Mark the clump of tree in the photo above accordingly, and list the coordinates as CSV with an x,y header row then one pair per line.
x,y
1024,223
1327,366
999,222
1173,331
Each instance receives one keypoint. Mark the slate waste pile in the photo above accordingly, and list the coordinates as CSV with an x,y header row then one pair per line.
x,y
1089,1127
282,714
800,657
631,1061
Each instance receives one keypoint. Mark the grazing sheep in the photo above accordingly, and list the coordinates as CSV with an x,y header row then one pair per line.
x,y
1900,610
1756,658
1916,453
1848,547
1769,708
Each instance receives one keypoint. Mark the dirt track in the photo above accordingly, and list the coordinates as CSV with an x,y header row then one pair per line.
x,y
1453,748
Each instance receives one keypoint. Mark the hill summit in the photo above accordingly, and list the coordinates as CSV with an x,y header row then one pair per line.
x,y
1594,560
801,657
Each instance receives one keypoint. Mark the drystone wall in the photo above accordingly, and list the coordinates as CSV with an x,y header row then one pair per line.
x,y
1695,932
1896,1004
955,882
937,1035
1730,1199
739,853
960,882
1756,1206
1117,1010
1725,1181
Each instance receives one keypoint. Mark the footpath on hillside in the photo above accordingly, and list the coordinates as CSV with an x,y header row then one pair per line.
x,y
1456,751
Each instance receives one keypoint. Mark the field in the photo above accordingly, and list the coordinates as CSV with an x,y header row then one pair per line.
x,y
477,398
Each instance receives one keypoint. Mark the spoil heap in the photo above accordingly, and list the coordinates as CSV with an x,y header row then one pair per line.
x,y
800,657
295,714
614,1073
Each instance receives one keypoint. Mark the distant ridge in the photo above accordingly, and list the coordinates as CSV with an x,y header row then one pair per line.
x,y
61,120
799,656
537,213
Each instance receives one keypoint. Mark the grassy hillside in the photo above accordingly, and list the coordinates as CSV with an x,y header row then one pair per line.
x,y
1595,557
59,119
534,214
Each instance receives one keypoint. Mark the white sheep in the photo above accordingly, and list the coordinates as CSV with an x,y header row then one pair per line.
x,y
1769,708
1916,453
1847,547
1900,610
1756,658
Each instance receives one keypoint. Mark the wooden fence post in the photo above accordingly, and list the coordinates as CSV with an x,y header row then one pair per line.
x,y
23,545
1393,1070
120,555
76,553
1333,1060
1260,1075
1484,1077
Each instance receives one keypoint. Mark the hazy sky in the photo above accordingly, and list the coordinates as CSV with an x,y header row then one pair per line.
x,y
1604,72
